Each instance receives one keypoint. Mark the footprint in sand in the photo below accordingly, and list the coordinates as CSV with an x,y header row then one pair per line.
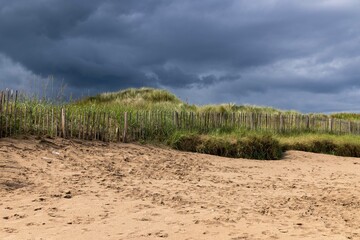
x,y
10,230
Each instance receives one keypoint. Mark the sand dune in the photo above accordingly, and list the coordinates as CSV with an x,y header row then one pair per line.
x,y
61,189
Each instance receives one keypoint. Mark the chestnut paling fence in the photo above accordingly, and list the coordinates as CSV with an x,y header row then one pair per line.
x,y
17,118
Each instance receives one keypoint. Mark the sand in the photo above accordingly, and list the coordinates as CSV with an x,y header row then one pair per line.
x,y
62,189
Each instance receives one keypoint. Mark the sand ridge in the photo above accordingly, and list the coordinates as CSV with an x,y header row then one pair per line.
x,y
63,189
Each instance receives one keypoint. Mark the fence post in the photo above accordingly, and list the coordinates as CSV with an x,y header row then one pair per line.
x,y
176,119
125,126
349,124
63,126
7,99
281,122
330,125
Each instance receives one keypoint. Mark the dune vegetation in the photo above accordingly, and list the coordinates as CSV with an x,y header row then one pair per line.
x,y
136,99
151,118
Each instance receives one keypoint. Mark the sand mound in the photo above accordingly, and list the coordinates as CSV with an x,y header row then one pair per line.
x,y
13,175
62,189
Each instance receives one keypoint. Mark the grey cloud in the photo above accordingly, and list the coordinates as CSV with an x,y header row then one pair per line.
x,y
175,77
237,46
14,76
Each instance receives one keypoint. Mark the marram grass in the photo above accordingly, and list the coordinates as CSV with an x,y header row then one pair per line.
x,y
33,115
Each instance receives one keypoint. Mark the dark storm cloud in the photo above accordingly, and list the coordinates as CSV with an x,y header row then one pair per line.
x,y
175,77
236,46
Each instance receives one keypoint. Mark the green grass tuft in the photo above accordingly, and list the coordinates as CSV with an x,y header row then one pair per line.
x,y
263,148
251,147
184,142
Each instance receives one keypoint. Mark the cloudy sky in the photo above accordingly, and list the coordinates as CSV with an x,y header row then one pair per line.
x,y
290,54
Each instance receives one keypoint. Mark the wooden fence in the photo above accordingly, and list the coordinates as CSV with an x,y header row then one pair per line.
x,y
17,118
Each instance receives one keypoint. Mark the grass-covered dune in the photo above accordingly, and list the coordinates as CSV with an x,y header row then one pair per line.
x,y
94,117
134,96
160,99
230,142
151,98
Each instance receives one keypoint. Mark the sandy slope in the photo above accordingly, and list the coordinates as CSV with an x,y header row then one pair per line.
x,y
60,189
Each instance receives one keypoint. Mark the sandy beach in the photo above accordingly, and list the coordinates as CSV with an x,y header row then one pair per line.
x,y
63,189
